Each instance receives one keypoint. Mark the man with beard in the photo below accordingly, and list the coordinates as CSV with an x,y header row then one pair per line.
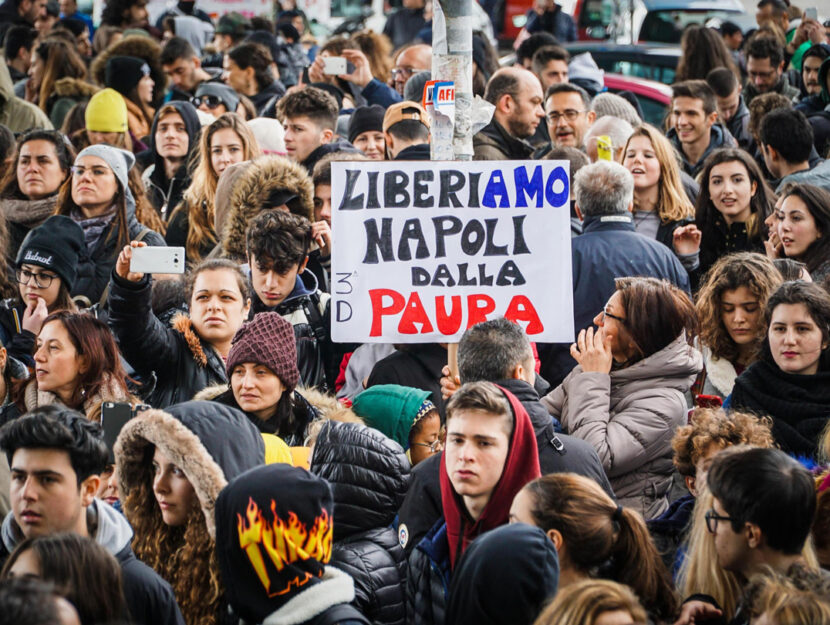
x,y
517,95
811,62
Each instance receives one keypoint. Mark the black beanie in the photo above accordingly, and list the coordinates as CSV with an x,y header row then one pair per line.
x,y
57,245
274,536
123,73
364,119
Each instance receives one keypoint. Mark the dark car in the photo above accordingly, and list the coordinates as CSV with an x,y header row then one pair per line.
x,y
653,61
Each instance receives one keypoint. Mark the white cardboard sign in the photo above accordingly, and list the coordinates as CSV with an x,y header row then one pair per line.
x,y
424,249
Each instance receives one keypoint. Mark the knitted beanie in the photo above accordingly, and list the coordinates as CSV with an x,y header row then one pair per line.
x,y
267,340
274,533
122,73
393,409
365,119
118,160
106,112
611,104
56,245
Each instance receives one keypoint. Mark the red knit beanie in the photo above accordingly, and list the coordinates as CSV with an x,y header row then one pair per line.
x,y
269,340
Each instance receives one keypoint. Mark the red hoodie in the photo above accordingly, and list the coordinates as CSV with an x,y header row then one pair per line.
x,y
520,467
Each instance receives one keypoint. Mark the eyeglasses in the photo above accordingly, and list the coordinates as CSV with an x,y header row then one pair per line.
x,y
96,172
712,519
211,101
605,314
569,114
435,446
405,72
42,280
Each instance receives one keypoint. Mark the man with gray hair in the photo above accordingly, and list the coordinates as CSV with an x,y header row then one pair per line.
x,y
617,130
608,248
498,351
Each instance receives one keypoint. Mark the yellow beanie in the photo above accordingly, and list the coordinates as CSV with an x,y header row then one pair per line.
x,y
106,112
276,451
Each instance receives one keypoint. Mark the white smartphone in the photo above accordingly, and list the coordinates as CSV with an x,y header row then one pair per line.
x,y
157,260
811,13
334,65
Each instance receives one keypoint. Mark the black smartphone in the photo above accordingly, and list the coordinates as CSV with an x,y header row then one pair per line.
x,y
114,415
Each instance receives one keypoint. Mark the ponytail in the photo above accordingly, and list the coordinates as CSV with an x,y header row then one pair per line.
x,y
637,563
596,531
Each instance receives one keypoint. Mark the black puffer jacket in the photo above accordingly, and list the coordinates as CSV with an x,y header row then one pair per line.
x,y
369,474
183,364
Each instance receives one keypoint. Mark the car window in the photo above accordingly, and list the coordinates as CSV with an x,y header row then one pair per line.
x,y
668,26
596,13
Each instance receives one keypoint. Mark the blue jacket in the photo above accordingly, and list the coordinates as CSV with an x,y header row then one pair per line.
x,y
378,93
428,583
608,248
556,22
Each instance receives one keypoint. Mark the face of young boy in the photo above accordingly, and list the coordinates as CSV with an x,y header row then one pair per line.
x,y
303,136
271,287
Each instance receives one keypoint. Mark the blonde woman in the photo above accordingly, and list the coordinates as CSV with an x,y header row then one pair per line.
x,y
226,141
594,602
662,210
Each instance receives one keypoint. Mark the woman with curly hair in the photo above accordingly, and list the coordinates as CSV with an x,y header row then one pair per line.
x,y
730,306
588,529
661,208
226,141
172,465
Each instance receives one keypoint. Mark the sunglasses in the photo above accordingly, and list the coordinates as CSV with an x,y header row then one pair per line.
x,y
211,101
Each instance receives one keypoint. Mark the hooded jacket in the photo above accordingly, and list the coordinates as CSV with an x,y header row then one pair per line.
x,y
149,598
817,103
369,475
738,125
505,578
494,143
719,137
15,113
249,197
166,194
432,563
266,580
141,47
798,404
338,145
66,93
630,416
181,362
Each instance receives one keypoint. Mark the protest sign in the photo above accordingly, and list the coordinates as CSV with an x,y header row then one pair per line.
x,y
424,249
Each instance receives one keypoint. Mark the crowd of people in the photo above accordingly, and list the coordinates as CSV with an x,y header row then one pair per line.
x,y
196,450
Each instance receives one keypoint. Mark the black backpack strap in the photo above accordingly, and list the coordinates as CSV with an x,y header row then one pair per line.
x,y
339,613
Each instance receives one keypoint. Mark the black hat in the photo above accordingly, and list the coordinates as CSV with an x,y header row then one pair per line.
x,y
364,119
57,245
123,73
274,536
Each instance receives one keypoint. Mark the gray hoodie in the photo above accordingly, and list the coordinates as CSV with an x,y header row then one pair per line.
x,y
150,599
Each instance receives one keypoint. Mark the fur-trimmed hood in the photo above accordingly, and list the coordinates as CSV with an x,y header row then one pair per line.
x,y
140,47
73,88
250,194
211,443
184,325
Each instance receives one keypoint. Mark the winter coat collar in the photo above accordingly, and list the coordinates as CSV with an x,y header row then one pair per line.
x,y
520,467
600,223
719,137
676,365
720,372
419,152
334,588
183,325
513,148
529,398
209,442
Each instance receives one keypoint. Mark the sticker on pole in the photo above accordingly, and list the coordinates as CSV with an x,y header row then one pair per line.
x,y
439,103
424,250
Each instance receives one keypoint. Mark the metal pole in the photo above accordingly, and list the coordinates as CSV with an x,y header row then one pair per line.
x,y
452,59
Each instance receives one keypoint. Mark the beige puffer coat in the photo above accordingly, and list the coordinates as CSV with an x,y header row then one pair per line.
x,y
630,416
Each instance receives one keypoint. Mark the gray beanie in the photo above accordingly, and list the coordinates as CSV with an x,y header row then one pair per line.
x,y
606,103
119,160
